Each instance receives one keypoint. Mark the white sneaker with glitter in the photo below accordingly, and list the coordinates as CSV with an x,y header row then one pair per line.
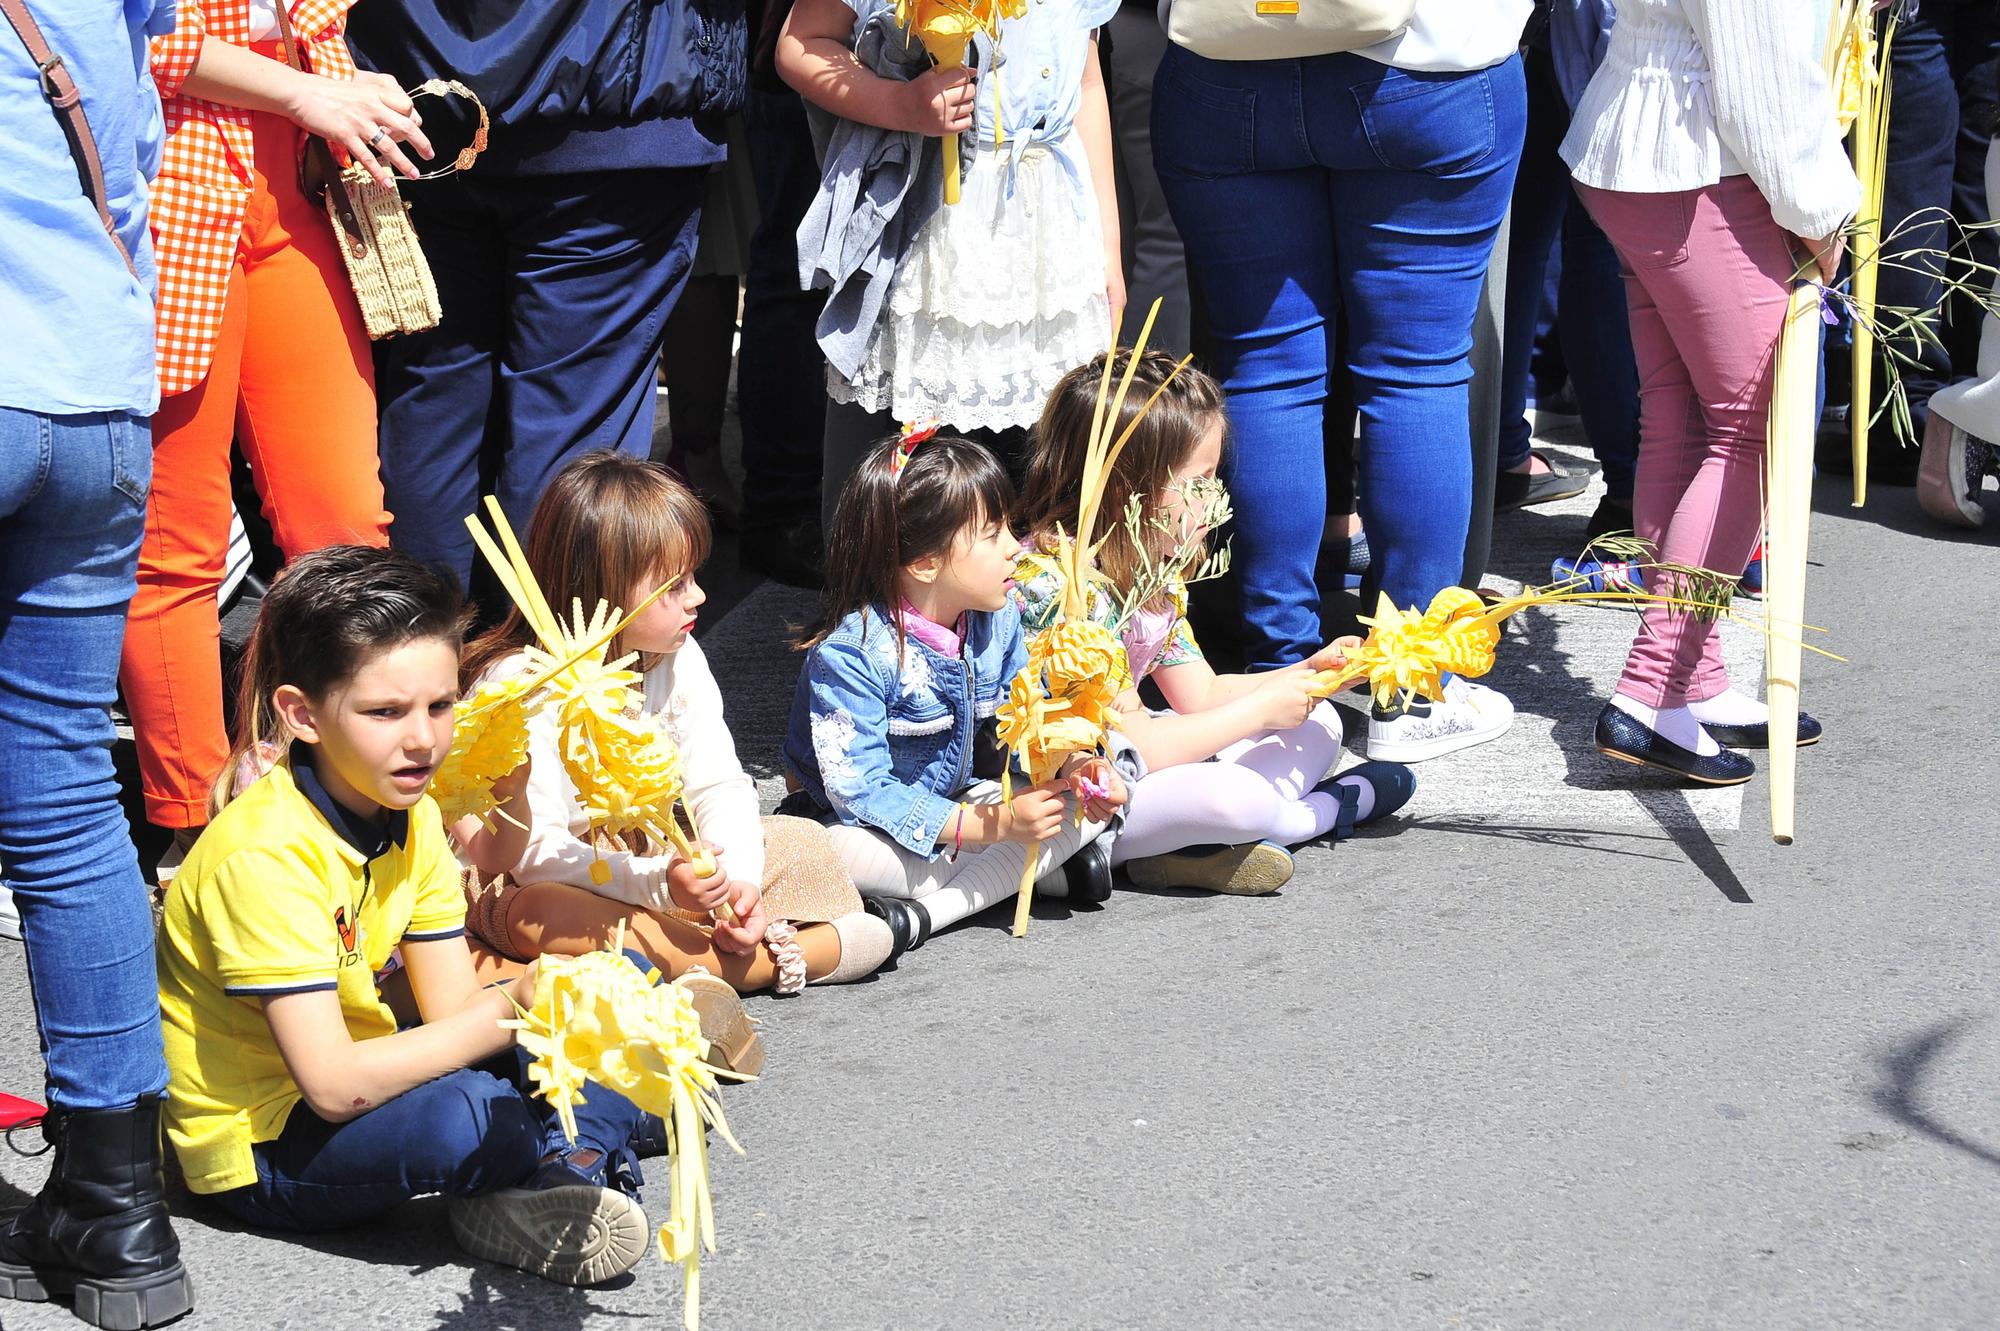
x,y
1469,714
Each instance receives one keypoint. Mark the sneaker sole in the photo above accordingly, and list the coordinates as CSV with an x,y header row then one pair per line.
x,y
571,1236
111,1305
1389,751
1937,492
1674,771
733,1042
1255,870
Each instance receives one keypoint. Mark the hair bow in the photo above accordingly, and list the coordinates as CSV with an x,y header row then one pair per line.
x,y
914,433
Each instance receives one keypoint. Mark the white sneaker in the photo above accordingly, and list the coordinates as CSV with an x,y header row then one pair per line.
x,y
1469,714
571,1234
10,916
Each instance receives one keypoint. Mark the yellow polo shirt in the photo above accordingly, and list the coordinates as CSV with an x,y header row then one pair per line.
x,y
286,892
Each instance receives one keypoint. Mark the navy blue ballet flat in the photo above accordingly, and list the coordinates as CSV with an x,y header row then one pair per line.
x,y
1624,737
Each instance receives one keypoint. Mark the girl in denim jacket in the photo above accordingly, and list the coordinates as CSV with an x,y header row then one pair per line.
x,y
891,735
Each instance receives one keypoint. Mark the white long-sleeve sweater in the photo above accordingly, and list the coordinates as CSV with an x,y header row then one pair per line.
x,y
682,692
1691,91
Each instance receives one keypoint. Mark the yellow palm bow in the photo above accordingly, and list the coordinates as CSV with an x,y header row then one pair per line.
x,y
597,1018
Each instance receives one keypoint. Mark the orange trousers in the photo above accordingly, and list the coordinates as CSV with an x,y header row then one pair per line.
x,y
293,384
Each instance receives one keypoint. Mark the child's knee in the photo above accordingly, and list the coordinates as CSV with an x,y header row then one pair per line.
x,y
484,1135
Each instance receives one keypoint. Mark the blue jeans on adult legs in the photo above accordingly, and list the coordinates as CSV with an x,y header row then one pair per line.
x,y
72,511
555,291
468,1132
1305,188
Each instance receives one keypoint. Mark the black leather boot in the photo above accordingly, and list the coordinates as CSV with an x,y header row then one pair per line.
x,y
97,1234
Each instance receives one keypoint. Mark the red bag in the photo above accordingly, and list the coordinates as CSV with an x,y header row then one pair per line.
x,y
14,1111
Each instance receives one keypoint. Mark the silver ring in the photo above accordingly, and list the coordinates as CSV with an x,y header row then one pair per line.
x,y
381,133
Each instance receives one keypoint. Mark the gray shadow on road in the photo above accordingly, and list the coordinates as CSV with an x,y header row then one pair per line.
x,y
1904,1067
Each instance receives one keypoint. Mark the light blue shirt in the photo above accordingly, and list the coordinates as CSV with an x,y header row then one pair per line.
x,y
1043,55
77,326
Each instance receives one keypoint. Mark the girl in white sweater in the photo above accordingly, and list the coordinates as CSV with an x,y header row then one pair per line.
x,y
614,528
1706,149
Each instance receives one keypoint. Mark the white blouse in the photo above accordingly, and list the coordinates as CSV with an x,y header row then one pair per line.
x,y
1455,35
681,692
1691,91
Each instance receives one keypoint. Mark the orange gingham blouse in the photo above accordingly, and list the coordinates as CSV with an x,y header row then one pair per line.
x,y
204,185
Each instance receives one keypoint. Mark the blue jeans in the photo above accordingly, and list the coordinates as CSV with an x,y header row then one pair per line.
x,y
1591,322
555,292
469,1132
72,510
1940,123
1309,189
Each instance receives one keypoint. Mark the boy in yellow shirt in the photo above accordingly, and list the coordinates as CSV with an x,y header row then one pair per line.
x,y
295,1102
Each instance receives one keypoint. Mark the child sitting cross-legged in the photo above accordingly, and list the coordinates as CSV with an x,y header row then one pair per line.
x,y
1237,767
295,1102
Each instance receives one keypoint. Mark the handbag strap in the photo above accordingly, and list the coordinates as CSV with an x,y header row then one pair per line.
x,y
328,170
319,171
66,100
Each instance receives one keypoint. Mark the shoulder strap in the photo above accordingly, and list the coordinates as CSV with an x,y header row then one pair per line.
x,y
66,99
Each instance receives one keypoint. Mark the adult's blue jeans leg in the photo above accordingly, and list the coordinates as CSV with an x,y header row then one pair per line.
x,y
1597,344
1541,198
1415,234
436,389
1259,242
779,369
72,511
1917,195
594,264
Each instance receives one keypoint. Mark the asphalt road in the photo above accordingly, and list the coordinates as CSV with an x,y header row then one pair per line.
x,y
1563,1049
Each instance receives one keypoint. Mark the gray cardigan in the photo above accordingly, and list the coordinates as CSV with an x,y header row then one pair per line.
x,y
877,189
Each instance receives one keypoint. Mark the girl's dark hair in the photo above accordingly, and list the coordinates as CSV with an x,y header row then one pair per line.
x,y
1163,443
606,524
326,616
887,521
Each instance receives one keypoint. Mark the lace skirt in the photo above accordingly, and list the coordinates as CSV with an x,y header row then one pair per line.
x,y
999,298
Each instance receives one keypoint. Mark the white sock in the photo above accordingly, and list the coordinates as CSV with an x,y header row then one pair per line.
x,y
1730,708
1676,725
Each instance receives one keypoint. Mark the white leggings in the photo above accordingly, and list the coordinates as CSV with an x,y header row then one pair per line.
x,y
953,889
1257,789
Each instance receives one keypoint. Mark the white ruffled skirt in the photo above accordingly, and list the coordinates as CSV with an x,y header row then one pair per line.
x,y
999,298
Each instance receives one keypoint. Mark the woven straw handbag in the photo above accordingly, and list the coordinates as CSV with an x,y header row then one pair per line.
x,y
392,279
1284,29
385,263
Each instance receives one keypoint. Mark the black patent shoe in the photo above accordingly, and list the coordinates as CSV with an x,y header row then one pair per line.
x,y
1088,875
909,923
1625,738
1759,735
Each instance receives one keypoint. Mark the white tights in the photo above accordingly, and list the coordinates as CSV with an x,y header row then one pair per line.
x,y
950,890
1257,789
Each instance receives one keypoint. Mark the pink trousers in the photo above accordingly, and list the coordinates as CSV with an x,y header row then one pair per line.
x,y
1707,277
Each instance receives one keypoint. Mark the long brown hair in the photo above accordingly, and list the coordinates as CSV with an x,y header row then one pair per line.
x,y
1164,441
888,520
606,523
326,616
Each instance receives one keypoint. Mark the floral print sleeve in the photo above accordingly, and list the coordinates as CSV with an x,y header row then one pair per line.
x,y
1180,647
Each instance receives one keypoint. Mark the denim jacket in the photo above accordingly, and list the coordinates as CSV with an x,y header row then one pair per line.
x,y
891,745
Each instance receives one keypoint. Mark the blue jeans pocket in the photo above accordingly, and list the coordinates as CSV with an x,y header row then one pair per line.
x,y
131,456
1201,130
1439,124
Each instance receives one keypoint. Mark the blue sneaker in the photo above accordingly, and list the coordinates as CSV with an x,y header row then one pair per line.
x,y
1752,582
